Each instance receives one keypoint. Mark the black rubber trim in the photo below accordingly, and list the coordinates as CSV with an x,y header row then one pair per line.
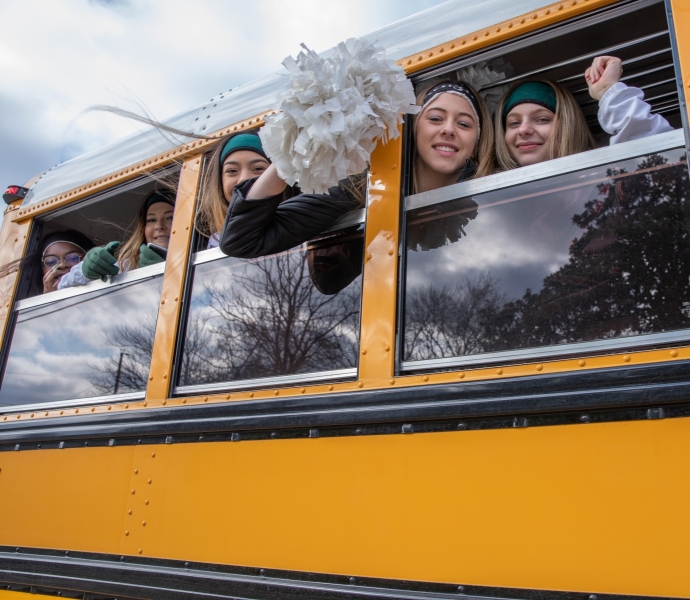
x,y
648,387
98,576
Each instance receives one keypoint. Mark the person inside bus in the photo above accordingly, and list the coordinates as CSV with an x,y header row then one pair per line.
x,y
332,267
540,120
59,252
453,142
236,158
146,246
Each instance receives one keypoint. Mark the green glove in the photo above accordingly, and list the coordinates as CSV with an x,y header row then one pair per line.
x,y
148,257
100,262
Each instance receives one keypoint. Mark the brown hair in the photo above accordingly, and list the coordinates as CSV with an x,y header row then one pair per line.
x,y
569,135
483,154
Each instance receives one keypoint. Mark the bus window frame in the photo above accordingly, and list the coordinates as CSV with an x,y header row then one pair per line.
x,y
349,220
582,21
553,168
672,140
113,283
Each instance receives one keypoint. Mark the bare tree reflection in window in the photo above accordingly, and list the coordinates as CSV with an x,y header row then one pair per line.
x,y
128,367
627,273
289,313
273,321
448,320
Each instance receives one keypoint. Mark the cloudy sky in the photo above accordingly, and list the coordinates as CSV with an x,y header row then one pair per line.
x,y
59,58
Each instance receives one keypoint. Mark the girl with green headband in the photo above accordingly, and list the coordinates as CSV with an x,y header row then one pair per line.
x,y
540,120
152,226
453,142
235,159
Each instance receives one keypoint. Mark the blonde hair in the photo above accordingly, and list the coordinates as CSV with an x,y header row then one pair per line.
x,y
128,254
213,206
483,153
569,134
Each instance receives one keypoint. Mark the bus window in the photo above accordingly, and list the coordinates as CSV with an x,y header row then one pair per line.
x,y
288,317
112,215
90,341
594,257
84,345
582,253
635,32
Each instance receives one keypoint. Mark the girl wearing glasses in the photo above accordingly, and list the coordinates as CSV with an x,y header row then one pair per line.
x,y
60,252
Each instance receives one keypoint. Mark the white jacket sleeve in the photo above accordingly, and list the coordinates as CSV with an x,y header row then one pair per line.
x,y
213,241
73,277
625,115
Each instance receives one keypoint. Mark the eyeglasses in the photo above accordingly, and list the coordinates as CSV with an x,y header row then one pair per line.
x,y
71,259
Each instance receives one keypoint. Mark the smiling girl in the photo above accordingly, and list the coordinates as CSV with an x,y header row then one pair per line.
x,y
453,142
540,120
235,159
152,227
453,137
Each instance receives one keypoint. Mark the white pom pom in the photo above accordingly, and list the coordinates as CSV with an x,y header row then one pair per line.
x,y
332,113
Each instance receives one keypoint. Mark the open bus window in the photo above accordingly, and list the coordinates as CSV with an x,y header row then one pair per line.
x,y
586,260
83,346
288,316
105,217
582,253
635,32
88,341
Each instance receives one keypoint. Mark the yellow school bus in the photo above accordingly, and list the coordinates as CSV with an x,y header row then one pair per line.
x,y
496,404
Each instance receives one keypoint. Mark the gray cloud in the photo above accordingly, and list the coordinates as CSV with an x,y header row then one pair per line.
x,y
166,55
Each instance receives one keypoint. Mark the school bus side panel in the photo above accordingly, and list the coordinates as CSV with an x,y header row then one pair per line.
x,y
70,498
590,507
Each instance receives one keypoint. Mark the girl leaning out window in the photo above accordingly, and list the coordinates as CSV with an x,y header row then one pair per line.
x,y
540,120
453,142
147,245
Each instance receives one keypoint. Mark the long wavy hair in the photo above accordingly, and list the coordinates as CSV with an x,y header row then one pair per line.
x,y
213,206
483,154
569,134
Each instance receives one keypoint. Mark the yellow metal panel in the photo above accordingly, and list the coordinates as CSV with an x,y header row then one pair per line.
x,y
145,499
71,498
380,279
595,507
173,281
500,32
13,241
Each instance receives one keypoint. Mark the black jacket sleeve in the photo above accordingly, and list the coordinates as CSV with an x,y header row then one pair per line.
x,y
259,227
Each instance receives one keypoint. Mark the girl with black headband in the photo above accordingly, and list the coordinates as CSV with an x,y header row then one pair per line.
x,y
152,226
453,137
540,120
454,141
